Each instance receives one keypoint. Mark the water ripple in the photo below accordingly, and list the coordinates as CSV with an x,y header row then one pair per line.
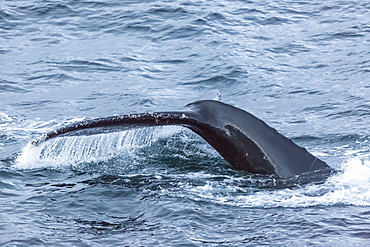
x,y
301,66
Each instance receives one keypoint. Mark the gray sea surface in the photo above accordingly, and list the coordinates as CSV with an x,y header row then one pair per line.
x,y
301,66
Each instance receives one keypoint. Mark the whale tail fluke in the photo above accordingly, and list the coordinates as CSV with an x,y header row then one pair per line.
x,y
243,140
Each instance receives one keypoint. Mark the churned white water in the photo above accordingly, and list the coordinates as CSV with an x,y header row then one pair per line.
x,y
349,186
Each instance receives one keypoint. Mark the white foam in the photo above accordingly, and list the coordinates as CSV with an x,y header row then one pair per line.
x,y
5,117
351,186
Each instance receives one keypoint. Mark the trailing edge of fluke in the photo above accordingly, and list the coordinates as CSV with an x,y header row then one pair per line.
x,y
243,140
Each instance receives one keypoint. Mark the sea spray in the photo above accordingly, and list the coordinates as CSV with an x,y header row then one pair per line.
x,y
70,150
349,186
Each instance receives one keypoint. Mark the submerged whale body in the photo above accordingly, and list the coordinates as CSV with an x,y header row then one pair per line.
x,y
243,140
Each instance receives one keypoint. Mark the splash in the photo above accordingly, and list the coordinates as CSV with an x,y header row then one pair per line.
x,y
66,151
350,186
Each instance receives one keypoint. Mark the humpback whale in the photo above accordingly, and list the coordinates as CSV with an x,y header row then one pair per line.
x,y
243,140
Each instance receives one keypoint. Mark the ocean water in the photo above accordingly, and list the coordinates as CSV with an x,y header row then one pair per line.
x,y
301,66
